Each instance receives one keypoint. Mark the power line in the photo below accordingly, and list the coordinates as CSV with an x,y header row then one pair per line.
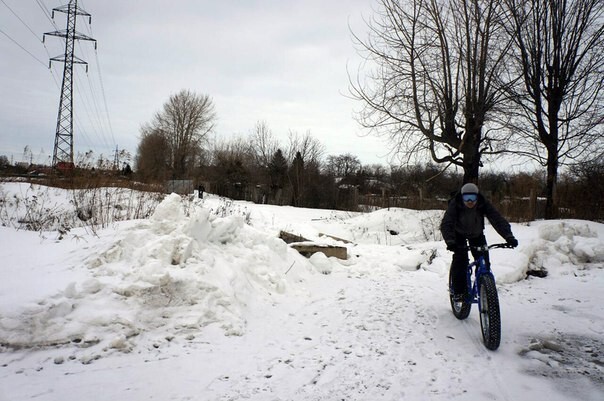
x,y
47,13
103,115
104,96
19,18
23,48
28,27
44,10
93,108
102,85
89,26
85,107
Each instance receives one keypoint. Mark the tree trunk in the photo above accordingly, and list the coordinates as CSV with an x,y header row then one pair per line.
x,y
551,208
551,144
471,168
471,153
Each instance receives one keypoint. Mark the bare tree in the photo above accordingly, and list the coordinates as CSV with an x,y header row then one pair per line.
x,y
185,120
343,166
310,148
237,148
4,162
435,83
263,144
231,170
304,155
152,161
560,59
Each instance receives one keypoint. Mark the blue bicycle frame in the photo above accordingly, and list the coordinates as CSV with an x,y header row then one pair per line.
x,y
479,267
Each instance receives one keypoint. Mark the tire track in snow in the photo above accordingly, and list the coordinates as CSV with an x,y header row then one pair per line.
x,y
375,337
384,330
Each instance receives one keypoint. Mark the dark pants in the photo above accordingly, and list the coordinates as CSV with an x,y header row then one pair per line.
x,y
459,265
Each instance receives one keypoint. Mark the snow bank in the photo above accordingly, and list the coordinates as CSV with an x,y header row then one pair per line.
x,y
563,246
549,247
163,277
394,226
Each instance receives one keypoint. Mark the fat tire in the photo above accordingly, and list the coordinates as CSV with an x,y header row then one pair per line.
x,y
461,310
488,306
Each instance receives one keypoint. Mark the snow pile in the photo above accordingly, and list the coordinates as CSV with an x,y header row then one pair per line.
x,y
563,246
163,277
394,226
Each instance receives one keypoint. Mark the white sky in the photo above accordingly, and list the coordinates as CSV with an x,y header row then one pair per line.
x,y
283,62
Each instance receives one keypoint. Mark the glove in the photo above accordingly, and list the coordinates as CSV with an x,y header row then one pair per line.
x,y
451,246
513,242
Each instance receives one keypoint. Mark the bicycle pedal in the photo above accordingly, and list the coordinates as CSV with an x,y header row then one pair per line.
x,y
459,297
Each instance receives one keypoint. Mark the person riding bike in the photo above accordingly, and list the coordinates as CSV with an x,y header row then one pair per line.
x,y
463,222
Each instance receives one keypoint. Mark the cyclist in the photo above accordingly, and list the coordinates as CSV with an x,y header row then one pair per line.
x,y
464,221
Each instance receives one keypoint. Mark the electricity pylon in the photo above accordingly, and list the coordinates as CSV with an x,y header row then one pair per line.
x,y
62,157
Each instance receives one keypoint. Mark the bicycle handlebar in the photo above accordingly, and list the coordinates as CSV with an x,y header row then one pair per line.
x,y
487,247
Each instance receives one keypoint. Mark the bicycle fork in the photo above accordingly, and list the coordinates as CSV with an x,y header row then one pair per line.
x,y
479,268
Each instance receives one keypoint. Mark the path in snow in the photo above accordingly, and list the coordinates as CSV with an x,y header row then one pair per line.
x,y
379,337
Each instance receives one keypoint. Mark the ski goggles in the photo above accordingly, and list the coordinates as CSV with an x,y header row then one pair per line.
x,y
469,197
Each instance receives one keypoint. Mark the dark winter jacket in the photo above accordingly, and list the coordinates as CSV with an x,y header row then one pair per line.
x,y
469,223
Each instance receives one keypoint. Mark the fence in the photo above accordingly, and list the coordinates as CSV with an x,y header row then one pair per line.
x,y
513,208
517,209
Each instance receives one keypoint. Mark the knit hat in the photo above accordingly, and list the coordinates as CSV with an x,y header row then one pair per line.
x,y
469,188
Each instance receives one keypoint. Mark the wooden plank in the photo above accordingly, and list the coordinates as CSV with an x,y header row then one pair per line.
x,y
308,250
290,238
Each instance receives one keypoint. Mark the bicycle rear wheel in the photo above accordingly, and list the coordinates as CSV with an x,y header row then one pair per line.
x,y
490,318
461,309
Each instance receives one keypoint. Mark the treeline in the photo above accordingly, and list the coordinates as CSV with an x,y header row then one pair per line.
x,y
342,182
258,169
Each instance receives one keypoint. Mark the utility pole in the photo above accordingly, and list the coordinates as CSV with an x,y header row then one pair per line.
x,y
62,158
116,159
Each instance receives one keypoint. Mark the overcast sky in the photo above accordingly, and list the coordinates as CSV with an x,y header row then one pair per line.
x,y
283,62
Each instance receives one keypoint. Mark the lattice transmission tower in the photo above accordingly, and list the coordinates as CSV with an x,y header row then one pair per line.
x,y
62,157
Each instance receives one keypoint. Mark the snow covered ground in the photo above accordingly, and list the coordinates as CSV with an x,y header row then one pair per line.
x,y
202,301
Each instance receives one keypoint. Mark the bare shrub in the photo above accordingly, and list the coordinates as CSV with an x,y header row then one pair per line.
x,y
43,208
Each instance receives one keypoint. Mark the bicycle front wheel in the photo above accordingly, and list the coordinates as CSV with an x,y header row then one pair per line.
x,y
490,318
